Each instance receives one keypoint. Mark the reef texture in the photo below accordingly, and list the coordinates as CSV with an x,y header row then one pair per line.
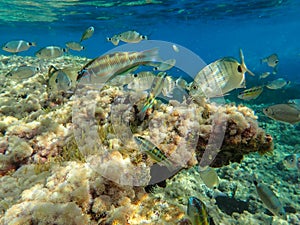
x,y
71,159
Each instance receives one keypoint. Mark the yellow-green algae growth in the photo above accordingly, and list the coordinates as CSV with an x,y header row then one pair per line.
x,y
45,178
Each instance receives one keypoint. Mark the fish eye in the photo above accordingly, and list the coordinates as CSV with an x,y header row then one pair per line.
x,y
277,61
194,87
56,80
239,69
135,75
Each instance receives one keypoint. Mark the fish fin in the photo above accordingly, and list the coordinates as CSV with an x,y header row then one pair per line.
x,y
243,63
151,55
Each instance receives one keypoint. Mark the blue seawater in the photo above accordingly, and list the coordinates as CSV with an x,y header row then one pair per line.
x,y
210,28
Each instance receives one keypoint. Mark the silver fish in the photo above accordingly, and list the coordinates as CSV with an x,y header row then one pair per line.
x,y
269,199
219,78
59,81
22,72
292,161
87,33
75,46
114,39
209,177
283,112
271,60
17,46
277,84
50,52
264,75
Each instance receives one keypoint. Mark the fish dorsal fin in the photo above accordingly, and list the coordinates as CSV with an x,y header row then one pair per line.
x,y
52,70
243,65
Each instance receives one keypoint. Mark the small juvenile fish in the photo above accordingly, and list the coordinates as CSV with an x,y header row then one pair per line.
x,y
156,89
210,177
131,36
269,199
153,151
87,33
277,84
295,103
50,52
292,161
141,81
22,72
58,80
166,65
271,60
264,75
110,65
283,112
181,83
75,46
17,46
196,210
114,39
219,78
251,93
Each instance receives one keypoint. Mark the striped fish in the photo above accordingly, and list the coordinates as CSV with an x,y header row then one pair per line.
x,y
251,93
110,65
196,210
219,78
156,89
153,151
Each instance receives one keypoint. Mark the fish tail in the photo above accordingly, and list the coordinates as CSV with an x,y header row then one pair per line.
x,y
151,55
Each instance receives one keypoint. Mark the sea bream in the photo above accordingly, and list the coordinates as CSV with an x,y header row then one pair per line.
x,y
269,199
110,65
288,113
17,46
292,161
130,36
277,84
219,78
50,52
272,60
22,72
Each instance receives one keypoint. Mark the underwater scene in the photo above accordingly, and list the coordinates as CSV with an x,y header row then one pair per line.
x,y
150,112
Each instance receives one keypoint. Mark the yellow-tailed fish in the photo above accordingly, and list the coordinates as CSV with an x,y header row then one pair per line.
x,y
264,75
219,78
75,46
110,65
209,177
269,199
156,89
277,84
114,39
58,81
196,211
131,36
288,113
271,60
292,161
22,72
87,33
17,46
153,151
50,52
251,93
